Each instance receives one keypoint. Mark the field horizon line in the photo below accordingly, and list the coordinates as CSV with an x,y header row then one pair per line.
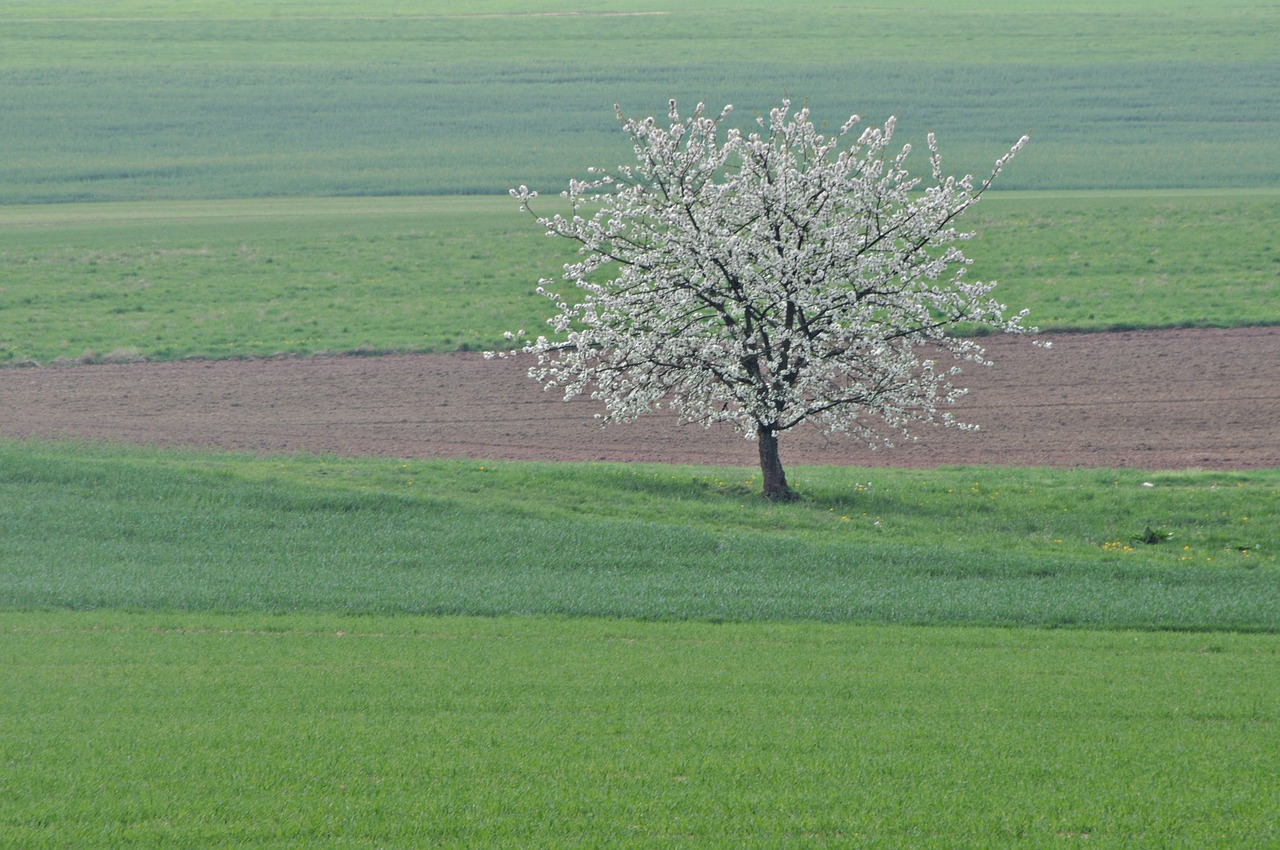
x,y
320,206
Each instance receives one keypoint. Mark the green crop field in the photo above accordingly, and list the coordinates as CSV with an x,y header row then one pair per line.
x,y
171,105
220,731
142,530
219,650
253,278
1107,260
123,100
200,650
168,280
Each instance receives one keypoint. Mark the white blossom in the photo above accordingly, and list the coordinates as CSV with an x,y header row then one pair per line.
x,y
767,278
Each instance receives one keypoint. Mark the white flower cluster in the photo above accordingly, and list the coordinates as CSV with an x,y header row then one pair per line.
x,y
767,278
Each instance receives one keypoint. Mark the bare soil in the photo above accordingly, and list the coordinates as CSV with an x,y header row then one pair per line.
x,y
1207,399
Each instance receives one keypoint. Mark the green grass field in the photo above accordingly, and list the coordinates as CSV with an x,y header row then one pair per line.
x,y
218,650
142,530
123,100
170,280
213,731
235,278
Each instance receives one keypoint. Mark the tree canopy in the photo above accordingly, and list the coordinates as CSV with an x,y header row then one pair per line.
x,y
768,278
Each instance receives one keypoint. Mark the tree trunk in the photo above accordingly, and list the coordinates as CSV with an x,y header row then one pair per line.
x,y
775,479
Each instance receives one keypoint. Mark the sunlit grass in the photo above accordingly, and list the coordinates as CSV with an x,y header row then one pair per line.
x,y
162,730
254,278
237,279
1103,261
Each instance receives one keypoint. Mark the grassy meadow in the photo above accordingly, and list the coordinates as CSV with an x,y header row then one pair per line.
x,y
221,650
126,100
252,278
218,730
144,530
224,650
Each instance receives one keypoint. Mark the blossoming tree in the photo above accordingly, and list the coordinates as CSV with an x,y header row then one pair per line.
x,y
766,279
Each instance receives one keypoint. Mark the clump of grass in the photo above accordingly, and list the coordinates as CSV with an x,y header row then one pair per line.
x,y
1151,536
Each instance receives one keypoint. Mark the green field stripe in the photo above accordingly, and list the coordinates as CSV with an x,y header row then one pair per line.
x,y
134,529
158,730
167,280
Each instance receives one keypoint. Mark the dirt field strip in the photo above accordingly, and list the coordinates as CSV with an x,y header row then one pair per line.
x,y
1172,399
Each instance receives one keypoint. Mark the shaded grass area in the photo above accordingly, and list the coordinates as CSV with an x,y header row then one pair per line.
x,y
91,528
162,730
134,101
165,281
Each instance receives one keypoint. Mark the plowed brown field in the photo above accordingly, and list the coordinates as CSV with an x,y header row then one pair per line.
x,y
1152,399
